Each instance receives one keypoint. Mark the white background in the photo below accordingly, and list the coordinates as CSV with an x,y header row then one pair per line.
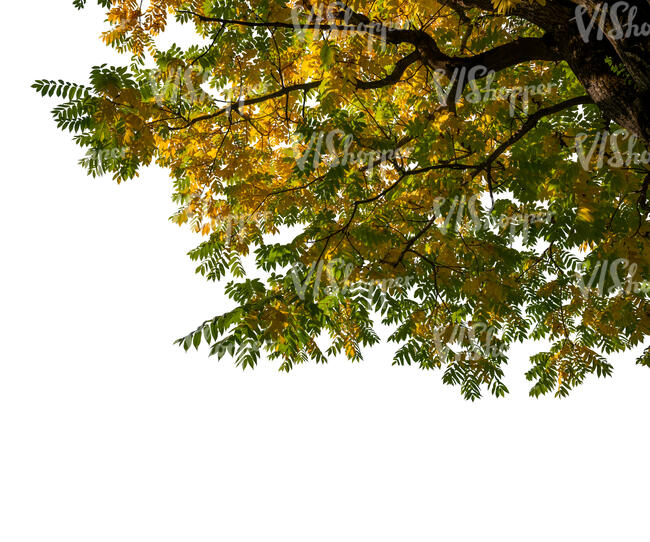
x,y
108,432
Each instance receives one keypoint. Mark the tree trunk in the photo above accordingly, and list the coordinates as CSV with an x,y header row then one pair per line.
x,y
622,95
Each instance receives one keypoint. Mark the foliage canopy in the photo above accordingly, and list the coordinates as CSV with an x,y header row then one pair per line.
x,y
470,173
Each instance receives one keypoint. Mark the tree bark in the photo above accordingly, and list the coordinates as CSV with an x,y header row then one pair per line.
x,y
623,96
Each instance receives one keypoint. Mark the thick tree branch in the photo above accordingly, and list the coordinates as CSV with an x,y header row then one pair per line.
x,y
394,77
529,124
501,57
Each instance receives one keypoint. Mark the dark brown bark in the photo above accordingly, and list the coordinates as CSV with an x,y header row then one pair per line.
x,y
618,97
623,97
